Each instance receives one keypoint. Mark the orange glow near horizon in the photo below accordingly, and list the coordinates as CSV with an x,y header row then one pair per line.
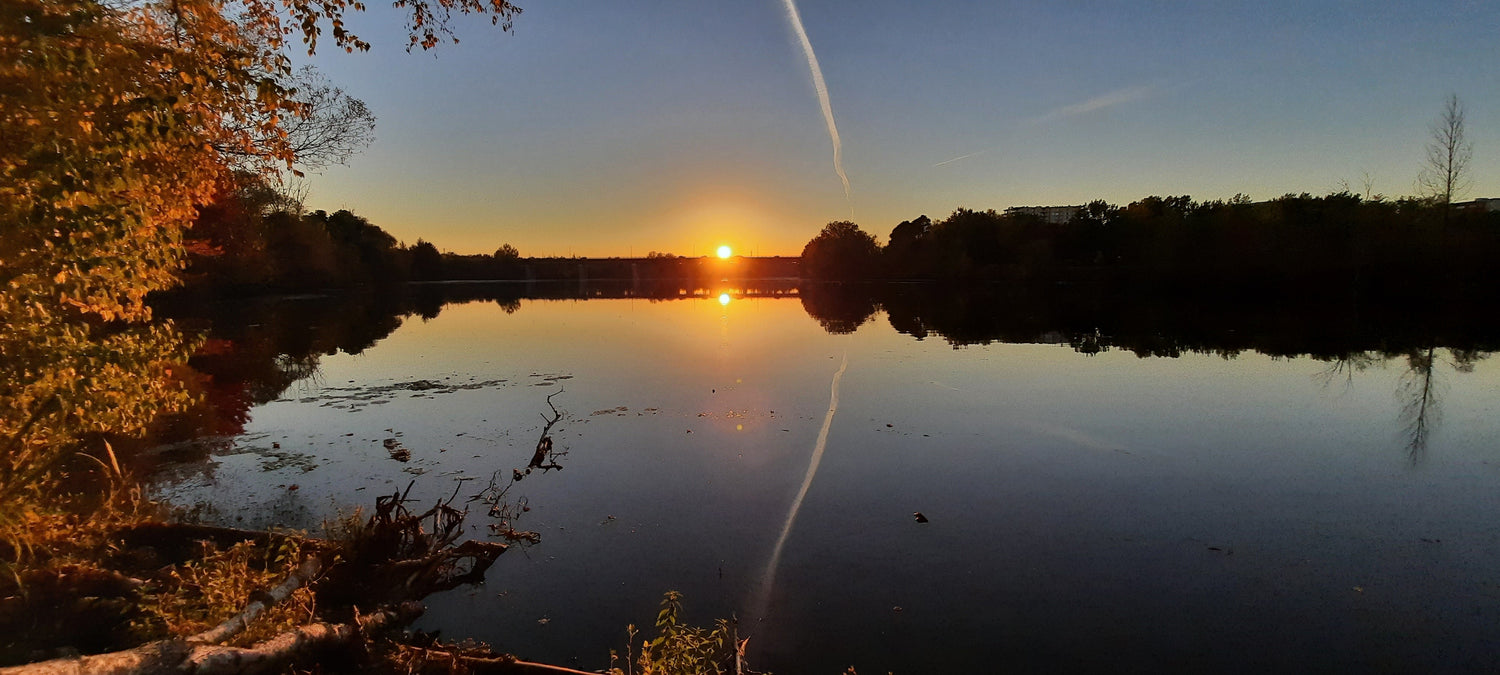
x,y
725,252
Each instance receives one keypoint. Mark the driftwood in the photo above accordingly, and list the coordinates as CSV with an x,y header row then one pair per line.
x,y
182,656
399,555
503,664
304,573
391,561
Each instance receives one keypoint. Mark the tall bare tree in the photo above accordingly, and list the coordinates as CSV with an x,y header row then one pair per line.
x,y
1446,174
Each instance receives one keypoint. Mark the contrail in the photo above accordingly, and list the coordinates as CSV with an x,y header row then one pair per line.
x,y
1106,100
1101,102
822,89
960,157
769,579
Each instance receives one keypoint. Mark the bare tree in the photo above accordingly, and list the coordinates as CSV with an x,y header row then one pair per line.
x,y
325,126
330,125
1448,153
291,194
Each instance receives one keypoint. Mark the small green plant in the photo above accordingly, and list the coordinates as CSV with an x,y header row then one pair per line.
x,y
679,649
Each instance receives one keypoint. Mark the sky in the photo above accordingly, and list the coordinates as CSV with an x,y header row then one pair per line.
x,y
614,129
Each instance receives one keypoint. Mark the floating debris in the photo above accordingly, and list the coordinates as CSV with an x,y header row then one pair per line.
x,y
919,517
398,452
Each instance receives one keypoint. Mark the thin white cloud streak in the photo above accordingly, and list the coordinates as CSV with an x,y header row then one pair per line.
x,y
1097,103
959,158
822,89
1101,102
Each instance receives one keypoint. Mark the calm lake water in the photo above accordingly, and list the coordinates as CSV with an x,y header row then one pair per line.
x,y
1088,507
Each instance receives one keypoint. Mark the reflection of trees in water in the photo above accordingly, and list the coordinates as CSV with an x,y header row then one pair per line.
x,y
1421,391
838,308
1344,366
257,349
269,347
1093,320
1420,410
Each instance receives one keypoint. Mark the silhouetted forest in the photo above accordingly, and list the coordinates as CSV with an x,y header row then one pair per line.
x,y
1339,245
253,240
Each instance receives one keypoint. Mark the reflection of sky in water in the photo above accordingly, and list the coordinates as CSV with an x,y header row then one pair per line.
x,y
1242,512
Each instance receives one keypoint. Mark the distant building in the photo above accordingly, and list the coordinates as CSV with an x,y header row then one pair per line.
x,y
1483,204
1056,215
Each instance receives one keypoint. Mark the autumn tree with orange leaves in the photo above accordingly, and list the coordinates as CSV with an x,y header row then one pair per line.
x,y
119,121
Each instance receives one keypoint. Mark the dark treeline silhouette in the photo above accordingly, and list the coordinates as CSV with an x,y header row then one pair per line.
x,y
699,272
254,240
1334,246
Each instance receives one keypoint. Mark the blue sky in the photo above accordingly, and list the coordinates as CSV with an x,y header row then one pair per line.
x,y
607,128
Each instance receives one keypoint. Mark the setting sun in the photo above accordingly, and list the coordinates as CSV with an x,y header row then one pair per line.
x,y
725,252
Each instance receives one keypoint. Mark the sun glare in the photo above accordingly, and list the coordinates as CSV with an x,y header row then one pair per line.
x,y
725,252
723,298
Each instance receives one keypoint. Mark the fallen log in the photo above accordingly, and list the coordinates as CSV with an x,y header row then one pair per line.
x,y
182,656
304,573
503,664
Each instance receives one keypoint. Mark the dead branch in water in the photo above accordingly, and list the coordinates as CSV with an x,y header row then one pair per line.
x,y
399,555
506,513
544,443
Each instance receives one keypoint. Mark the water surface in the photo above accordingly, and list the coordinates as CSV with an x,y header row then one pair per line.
x,y
1087,507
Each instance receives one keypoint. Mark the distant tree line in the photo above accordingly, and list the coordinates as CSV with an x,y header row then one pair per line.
x,y
255,239
1340,243
252,239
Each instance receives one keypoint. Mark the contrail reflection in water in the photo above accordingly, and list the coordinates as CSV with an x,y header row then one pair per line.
x,y
769,579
